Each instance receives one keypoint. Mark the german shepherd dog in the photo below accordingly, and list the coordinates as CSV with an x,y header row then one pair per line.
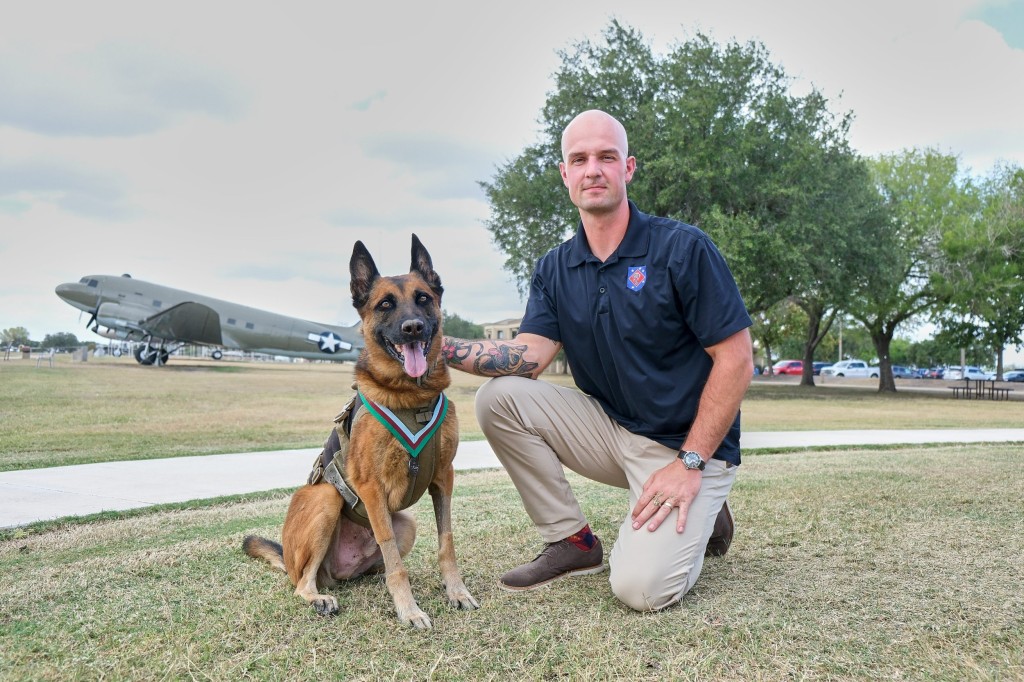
x,y
399,368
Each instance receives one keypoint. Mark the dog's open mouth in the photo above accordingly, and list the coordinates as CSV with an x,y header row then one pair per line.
x,y
413,356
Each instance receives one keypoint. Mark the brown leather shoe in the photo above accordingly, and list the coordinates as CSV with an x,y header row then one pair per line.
x,y
721,536
558,560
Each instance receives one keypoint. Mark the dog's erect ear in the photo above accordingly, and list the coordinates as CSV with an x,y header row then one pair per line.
x,y
421,263
364,274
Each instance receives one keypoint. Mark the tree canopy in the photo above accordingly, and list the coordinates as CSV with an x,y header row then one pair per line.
x,y
982,273
723,142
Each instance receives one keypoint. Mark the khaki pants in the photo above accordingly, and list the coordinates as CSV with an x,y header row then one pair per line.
x,y
535,428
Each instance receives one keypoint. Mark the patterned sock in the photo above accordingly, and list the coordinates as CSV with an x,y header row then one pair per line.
x,y
583,538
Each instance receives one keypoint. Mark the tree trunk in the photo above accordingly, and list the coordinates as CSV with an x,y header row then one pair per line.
x,y
816,332
882,340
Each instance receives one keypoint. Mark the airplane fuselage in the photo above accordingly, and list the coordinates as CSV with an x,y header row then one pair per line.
x,y
133,309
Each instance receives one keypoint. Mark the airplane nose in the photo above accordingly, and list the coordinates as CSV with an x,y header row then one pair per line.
x,y
73,294
68,292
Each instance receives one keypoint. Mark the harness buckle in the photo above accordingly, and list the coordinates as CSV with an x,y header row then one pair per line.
x,y
414,467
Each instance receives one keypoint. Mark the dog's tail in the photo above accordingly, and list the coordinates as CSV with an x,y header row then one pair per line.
x,y
262,548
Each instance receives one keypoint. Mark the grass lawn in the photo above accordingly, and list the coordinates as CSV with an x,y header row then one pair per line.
x,y
860,564
114,409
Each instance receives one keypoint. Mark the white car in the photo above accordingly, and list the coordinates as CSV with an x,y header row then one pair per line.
x,y
972,373
851,368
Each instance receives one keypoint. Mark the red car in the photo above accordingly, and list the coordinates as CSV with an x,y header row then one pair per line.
x,y
788,367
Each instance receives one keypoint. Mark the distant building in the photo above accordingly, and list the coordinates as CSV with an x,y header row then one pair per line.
x,y
502,330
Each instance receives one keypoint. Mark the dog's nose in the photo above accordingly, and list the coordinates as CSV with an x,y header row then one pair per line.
x,y
412,327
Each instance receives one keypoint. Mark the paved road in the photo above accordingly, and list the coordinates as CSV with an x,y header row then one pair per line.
x,y
45,494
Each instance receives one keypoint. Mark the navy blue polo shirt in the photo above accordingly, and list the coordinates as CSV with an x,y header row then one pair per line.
x,y
634,328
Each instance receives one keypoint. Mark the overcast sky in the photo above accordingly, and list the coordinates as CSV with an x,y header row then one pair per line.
x,y
238,149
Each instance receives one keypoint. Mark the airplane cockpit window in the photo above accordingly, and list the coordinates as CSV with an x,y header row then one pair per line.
x,y
90,282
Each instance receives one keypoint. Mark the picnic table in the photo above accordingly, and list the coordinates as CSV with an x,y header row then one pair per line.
x,y
981,388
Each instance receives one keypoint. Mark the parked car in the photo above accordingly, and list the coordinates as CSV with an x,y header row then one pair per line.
x,y
1014,375
788,367
901,372
936,373
970,372
818,366
851,368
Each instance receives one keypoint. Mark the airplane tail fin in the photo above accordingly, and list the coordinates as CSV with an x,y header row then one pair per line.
x,y
262,548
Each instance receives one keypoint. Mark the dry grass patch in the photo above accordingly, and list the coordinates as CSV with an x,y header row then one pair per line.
x,y
780,404
115,409
902,564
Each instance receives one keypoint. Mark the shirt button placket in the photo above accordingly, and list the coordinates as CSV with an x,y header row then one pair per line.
x,y
602,293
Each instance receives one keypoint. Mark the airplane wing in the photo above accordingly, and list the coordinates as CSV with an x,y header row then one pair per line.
x,y
193,322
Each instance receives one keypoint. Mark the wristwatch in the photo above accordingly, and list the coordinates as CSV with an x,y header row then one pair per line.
x,y
692,460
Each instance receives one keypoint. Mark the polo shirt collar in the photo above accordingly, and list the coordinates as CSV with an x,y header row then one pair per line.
x,y
634,244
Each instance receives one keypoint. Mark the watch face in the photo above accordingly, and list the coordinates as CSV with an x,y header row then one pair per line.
x,y
692,460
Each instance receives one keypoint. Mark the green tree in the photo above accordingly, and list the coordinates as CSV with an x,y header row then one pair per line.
x,y
983,270
721,143
943,350
464,329
530,210
60,340
925,197
852,341
14,336
775,329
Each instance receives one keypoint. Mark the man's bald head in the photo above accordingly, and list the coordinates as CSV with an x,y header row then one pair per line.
x,y
589,121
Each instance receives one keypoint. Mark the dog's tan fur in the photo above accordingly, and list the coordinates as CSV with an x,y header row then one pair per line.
x,y
320,546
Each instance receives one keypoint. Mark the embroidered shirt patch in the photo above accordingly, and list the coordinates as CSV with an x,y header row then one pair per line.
x,y
636,278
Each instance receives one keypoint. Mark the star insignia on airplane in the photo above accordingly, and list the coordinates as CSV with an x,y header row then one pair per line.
x,y
328,342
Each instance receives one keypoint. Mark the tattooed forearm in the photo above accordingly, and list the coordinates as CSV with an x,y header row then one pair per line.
x,y
504,359
456,351
487,358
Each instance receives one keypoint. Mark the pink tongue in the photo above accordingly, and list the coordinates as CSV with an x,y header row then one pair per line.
x,y
415,363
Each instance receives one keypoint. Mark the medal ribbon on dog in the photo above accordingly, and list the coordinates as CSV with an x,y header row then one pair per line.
x,y
413,442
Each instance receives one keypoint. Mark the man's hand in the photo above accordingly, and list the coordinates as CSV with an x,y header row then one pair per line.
x,y
671,486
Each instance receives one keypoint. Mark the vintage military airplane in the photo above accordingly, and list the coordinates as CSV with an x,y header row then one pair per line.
x,y
164,319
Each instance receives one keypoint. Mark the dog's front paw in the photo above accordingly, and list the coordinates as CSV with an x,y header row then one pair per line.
x,y
416,618
325,605
460,598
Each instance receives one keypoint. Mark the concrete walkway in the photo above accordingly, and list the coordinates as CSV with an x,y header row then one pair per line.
x,y
44,494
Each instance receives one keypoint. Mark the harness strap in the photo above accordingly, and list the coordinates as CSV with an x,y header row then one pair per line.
x,y
412,442
330,463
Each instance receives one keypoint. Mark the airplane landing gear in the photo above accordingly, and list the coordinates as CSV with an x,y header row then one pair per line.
x,y
147,354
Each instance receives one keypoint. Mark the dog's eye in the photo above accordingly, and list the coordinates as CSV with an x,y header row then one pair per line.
x,y
423,299
386,304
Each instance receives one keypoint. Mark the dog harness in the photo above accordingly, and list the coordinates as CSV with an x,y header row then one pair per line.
x,y
414,428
